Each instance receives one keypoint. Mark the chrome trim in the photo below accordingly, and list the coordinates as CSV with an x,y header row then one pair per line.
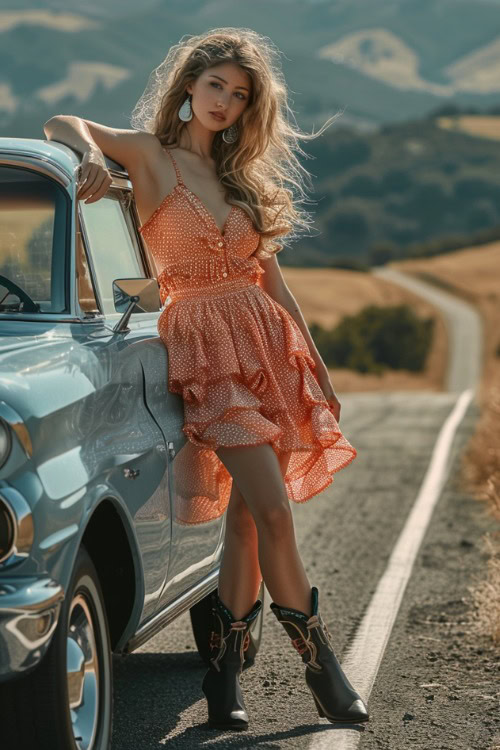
x,y
29,613
45,317
171,611
13,522
80,227
39,164
24,530
82,673
119,182
12,418
5,458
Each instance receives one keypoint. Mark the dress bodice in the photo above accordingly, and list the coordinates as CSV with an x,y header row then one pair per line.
x,y
190,250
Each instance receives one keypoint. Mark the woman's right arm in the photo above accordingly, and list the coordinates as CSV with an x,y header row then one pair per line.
x,y
130,148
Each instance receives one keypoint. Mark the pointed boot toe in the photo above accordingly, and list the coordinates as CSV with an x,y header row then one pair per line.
x,y
358,711
354,714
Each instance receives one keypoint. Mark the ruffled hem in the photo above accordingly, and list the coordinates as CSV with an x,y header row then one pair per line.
x,y
265,391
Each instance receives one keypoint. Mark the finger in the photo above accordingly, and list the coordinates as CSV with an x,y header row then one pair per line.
x,y
81,182
101,190
83,190
93,179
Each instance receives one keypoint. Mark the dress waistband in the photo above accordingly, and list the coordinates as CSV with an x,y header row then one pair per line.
x,y
215,289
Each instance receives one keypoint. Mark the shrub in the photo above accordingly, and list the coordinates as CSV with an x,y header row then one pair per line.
x,y
375,339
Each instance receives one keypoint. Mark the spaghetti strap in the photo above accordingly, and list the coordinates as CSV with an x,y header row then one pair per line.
x,y
180,181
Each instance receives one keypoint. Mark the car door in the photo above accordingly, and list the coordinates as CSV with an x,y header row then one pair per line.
x,y
195,549
117,251
141,473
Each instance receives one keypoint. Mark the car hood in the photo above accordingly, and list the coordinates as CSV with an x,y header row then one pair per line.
x,y
45,366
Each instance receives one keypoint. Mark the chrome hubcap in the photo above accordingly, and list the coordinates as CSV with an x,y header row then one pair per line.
x,y
82,673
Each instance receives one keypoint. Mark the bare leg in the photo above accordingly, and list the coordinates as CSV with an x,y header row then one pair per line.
x,y
258,475
239,576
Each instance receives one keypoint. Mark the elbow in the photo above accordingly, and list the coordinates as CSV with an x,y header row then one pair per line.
x,y
48,126
47,129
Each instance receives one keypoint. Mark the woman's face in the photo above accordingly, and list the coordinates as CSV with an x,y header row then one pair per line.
x,y
224,88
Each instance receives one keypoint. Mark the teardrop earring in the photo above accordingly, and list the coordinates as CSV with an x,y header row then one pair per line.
x,y
186,112
230,135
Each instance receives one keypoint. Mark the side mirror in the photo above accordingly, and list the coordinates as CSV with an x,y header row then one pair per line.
x,y
134,295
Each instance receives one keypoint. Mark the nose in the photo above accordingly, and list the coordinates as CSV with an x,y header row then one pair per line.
x,y
221,105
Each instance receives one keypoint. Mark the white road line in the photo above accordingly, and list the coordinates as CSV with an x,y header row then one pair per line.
x,y
364,655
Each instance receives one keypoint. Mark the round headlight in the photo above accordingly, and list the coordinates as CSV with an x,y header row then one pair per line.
x,y
5,442
7,531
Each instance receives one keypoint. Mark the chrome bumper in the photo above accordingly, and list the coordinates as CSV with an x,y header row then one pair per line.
x,y
29,613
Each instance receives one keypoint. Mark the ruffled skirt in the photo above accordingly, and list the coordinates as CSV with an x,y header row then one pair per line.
x,y
244,371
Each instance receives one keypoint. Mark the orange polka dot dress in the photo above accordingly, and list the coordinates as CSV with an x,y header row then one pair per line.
x,y
237,358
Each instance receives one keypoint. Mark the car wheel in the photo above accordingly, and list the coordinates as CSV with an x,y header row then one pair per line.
x,y
201,621
66,703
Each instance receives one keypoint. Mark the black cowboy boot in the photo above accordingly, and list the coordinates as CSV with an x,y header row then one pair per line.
x,y
333,694
221,684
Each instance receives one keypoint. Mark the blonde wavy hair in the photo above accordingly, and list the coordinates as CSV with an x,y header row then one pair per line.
x,y
261,171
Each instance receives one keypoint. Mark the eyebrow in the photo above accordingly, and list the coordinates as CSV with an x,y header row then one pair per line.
x,y
221,79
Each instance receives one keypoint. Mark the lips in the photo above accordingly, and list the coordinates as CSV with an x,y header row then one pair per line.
x,y
218,115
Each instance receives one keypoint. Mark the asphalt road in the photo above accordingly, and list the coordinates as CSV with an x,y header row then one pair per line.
x,y
346,536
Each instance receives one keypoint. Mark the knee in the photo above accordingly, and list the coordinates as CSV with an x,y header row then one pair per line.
x,y
276,521
240,523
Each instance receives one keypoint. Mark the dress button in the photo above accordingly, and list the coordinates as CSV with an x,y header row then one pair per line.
x,y
221,244
224,274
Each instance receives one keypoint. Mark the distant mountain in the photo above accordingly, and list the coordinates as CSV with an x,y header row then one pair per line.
x,y
380,54
381,62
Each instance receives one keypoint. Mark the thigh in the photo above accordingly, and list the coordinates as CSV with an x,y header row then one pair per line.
x,y
257,472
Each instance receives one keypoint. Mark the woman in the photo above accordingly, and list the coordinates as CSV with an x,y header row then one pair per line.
x,y
209,156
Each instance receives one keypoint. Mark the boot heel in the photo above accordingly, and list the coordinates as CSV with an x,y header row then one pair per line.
x,y
320,710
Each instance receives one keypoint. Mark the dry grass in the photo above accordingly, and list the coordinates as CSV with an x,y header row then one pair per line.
x,y
483,126
486,594
474,274
326,295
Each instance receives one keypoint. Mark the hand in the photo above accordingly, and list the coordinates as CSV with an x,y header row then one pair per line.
x,y
327,388
93,176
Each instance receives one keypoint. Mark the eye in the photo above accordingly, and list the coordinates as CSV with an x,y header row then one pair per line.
x,y
214,83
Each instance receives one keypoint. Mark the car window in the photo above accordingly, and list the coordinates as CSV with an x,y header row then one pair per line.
x,y
112,245
84,284
34,215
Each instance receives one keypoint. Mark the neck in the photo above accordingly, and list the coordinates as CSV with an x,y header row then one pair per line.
x,y
197,139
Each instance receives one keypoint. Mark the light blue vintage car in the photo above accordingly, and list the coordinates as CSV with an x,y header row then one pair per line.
x,y
92,558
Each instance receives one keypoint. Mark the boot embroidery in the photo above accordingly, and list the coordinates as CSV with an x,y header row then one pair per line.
x,y
221,645
215,640
309,646
240,627
299,645
317,622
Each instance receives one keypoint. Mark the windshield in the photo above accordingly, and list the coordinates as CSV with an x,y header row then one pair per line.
x,y
33,224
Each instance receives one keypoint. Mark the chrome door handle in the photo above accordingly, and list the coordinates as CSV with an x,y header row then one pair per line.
x,y
131,473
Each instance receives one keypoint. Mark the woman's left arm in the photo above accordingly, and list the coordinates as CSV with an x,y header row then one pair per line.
x,y
274,284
